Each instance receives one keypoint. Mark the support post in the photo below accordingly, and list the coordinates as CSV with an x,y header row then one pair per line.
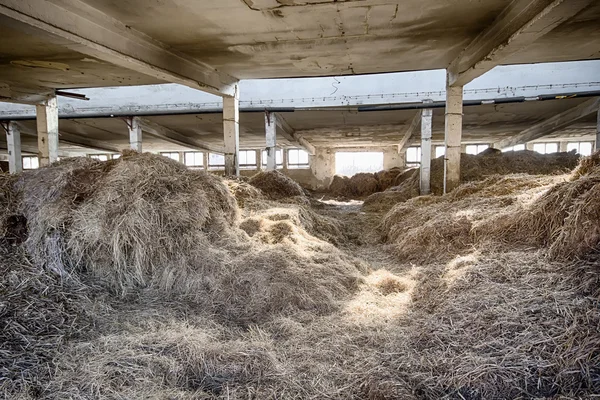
x,y
135,134
205,160
453,135
47,131
598,131
13,142
259,165
271,139
426,127
231,133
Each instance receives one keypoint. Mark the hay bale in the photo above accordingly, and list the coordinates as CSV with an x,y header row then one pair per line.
x,y
243,192
276,185
339,186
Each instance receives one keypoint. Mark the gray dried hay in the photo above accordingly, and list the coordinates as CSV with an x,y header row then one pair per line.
x,y
276,185
39,312
476,168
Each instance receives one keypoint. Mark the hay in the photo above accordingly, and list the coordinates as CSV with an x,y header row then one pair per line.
x,y
363,184
475,168
276,185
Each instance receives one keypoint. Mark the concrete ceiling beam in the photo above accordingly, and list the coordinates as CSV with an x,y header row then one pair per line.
x,y
410,131
551,125
75,140
519,25
290,134
90,31
24,95
171,136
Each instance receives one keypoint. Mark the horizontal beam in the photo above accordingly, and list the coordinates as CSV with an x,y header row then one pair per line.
x,y
520,24
76,140
551,125
410,131
171,136
91,32
24,95
290,134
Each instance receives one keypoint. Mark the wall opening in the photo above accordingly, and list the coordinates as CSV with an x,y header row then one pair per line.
x,y
352,163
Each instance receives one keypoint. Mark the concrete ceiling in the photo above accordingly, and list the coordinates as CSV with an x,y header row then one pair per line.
x,y
327,128
260,38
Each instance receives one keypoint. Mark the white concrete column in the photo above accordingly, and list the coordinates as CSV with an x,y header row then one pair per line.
x,y
13,142
562,146
529,146
271,140
598,131
135,134
454,113
47,131
259,165
205,160
426,125
284,158
322,165
231,133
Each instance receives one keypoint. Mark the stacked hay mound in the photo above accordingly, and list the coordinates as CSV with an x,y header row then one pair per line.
x,y
432,228
566,218
474,168
144,221
276,185
364,184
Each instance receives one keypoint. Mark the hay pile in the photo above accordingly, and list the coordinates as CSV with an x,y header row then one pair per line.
x,y
364,184
276,185
474,168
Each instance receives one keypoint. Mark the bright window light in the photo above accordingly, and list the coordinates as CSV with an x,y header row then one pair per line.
x,y
583,148
247,159
475,149
517,147
440,151
351,163
413,156
216,161
99,157
194,159
31,162
278,158
545,148
171,155
297,158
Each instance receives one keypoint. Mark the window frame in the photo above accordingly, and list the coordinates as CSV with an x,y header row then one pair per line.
x,y
298,165
194,154
216,167
169,154
545,144
30,158
417,161
278,154
247,165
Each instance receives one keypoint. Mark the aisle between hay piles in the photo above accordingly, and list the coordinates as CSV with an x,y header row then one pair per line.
x,y
487,323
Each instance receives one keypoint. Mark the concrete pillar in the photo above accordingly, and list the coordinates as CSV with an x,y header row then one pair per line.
x,y
231,133
271,139
47,131
426,127
13,142
598,131
393,159
284,159
529,146
259,165
205,160
454,113
135,134
562,146
322,165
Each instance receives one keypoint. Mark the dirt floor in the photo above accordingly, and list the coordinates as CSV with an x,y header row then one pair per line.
x,y
124,282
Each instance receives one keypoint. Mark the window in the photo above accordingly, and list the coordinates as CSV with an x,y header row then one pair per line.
x,y
100,157
278,158
247,159
517,147
440,151
545,148
297,158
194,159
351,163
172,156
583,148
475,149
216,161
116,156
31,162
413,156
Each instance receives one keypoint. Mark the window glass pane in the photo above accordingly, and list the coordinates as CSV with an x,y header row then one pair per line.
x,y
293,156
216,160
278,158
573,146
540,148
413,155
440,151
482,147
471,149
551,148
26,163
35,162
302,157
116,156
585,148
519,147
351,163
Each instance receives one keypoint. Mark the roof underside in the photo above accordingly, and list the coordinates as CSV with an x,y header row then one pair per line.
x,y
291,38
